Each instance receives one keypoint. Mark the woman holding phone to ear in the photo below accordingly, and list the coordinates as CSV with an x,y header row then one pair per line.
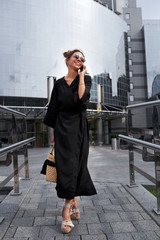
x,y
67,116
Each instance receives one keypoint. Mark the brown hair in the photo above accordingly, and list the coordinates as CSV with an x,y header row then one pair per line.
x,y
69,53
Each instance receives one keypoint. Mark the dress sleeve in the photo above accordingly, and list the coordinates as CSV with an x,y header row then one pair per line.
x,y
52,111
86,95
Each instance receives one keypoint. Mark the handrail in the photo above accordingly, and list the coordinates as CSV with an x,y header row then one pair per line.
x,y
13,149
155,157
140,142
145,104
11,111
15,146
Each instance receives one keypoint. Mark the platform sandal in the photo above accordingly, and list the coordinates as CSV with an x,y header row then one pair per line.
x,y
74,212
66,226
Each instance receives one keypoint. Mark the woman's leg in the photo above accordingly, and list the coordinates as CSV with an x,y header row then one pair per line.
x,y
75,211
66,213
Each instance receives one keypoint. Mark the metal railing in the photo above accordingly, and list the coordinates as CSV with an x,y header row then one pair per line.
x,y
142,148
13,150
11,111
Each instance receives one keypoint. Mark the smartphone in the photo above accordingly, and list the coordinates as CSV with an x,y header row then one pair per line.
x,y
81,69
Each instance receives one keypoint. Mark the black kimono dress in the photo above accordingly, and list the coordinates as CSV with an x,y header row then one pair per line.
x,y
67,115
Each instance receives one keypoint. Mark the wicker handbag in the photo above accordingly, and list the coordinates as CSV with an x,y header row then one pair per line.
x,y
51,172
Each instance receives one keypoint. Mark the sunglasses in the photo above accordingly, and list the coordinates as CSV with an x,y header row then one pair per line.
x,y
77,57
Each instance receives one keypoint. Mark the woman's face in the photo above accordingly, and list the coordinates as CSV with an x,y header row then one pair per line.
x,y
75,61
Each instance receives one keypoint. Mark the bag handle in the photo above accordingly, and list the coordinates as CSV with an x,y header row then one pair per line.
x,y
52,149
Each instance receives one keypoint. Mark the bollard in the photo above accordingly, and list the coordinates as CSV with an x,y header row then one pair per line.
x,y
16,175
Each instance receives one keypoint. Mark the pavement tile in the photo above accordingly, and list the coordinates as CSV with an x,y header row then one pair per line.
x,y
122,227
28,221
99,228
38,200
27,232
131,200
145,225
94,237
17,238
53,212
50,200
145,236
20,213
26,200
7,217
34,213
99,191
109,217
3,229
93,197
158,233
129,216
89,218
132,207
10,232
112,208
48,205
59,221
48,232
84,203
68,237
107,195
44,221
102,202
145,215
119,236
79,229
29,206
95,209
118,201
8,207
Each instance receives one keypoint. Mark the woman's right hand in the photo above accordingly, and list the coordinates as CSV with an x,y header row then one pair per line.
x,y
53,137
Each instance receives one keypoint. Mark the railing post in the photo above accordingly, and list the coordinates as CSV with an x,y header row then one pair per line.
x,y
16,174
131,167
26,163
157,175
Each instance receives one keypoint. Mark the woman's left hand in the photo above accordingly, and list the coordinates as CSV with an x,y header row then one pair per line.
x,y
84,70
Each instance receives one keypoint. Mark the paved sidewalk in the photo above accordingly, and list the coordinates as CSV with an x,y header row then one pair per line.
x,y
112,214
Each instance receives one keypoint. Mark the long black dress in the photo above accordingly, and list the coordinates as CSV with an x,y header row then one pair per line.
x,y
67,115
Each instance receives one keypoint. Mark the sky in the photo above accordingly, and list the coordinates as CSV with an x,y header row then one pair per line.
x,y
150,8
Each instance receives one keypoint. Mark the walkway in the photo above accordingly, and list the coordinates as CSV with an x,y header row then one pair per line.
x,y
112,214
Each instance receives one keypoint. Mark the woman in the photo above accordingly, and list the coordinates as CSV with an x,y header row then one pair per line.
x,y
67,116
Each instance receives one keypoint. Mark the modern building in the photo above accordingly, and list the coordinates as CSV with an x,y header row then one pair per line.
x,y
33,36
152,51
137,63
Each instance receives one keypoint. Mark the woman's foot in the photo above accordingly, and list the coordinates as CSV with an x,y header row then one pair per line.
x,y
67,224
74,211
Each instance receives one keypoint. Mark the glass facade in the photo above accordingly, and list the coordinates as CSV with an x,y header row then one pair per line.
x,y
152,40
35,33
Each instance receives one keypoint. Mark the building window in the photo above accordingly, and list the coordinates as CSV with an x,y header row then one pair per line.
x,y
129,50
128,27
130,62
129,38
130,74
127,16
131,86
131,98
